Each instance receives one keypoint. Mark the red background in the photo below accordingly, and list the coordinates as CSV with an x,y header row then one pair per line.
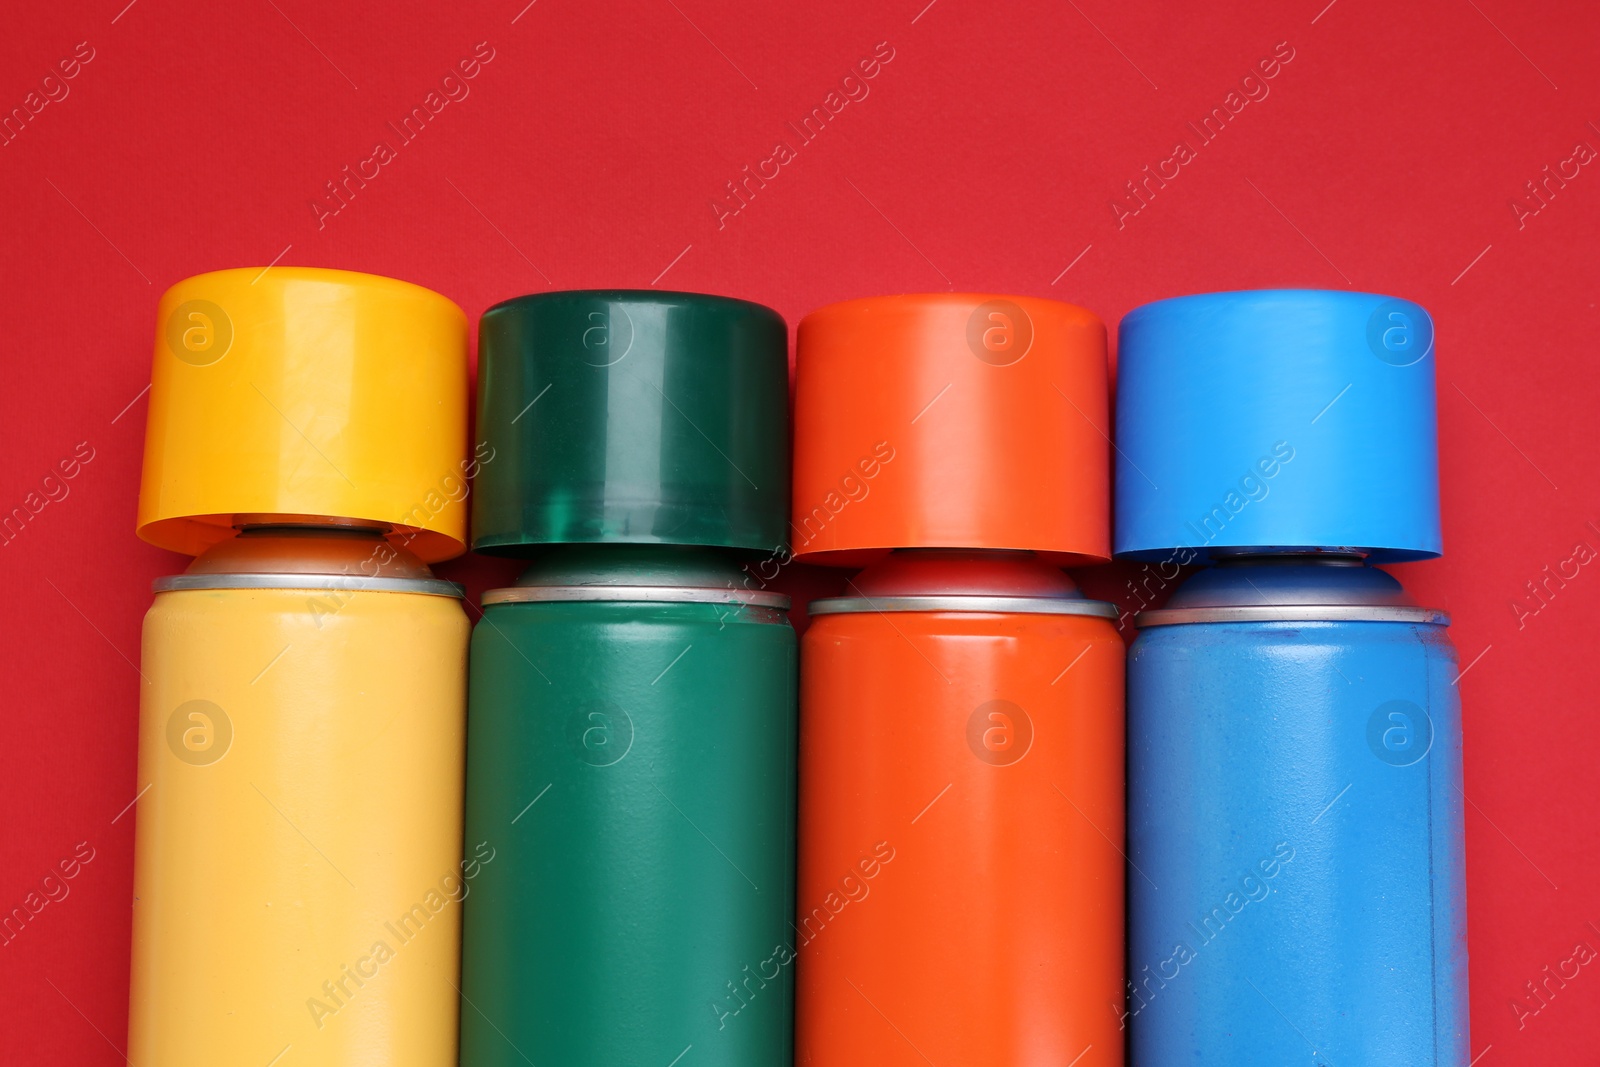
x,y
986,157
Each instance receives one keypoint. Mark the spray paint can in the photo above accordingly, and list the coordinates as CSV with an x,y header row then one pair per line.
x,y
631,745
298,848
1295,832
961,872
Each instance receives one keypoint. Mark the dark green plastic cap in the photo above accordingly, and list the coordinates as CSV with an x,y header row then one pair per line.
x,y
637,417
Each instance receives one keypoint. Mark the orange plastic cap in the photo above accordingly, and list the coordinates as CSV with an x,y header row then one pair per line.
x,y
960,420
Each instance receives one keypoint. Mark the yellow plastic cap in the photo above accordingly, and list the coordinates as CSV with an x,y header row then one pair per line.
x,y
301,394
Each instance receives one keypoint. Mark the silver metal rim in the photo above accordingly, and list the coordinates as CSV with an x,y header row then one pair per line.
x,y
661,594
1015,605
343,582
1293,613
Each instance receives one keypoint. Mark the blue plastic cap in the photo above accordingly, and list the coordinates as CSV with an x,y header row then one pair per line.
x,y
1292,419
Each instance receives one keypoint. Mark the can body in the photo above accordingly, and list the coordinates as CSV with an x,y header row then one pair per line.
x,y
632,764
1295,794
961,874
298,863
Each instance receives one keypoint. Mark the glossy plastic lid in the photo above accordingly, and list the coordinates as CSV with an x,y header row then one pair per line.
x,y
951,420
301,394
632,417
1276,420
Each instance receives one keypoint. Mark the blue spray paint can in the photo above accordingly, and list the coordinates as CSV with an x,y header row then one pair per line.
x,y
1295,838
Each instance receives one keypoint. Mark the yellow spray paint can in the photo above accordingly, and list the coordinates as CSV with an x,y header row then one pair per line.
x,y
298,864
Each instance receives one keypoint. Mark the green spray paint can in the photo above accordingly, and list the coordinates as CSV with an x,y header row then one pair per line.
x,y
631,719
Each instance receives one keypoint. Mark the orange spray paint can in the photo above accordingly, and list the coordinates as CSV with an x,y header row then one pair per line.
x,y
961,791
